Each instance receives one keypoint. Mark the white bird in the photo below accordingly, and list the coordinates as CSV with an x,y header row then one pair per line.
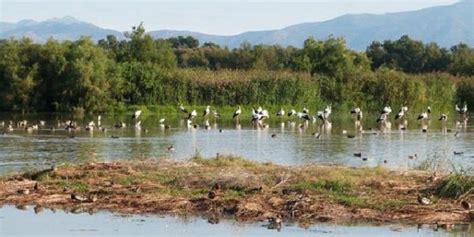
x,y
136,114
161,121
355,110
443,117
216,114
321,116
305,110
327,111
324,115
255,115
386,110
192,114
462,110
207,111
358,112
237,112
400,114
259,114
280,113
428,110
182,109
422,116
303,115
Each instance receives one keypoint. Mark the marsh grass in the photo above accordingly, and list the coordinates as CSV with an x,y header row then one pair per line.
x,y
455,186
77,186
224,161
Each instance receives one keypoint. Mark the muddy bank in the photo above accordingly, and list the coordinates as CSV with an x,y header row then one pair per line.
x,y
229,187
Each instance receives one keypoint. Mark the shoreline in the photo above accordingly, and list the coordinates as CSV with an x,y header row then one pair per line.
x,y
231,187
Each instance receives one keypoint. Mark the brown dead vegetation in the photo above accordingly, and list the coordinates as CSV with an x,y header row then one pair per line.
x,y
229,187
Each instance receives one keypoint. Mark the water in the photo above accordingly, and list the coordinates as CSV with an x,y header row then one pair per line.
x,y
22,150
14,222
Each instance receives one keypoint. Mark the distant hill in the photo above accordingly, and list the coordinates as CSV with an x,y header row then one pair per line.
x,y
66,28
445,25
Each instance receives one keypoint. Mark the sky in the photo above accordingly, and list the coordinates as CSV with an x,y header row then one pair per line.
x,y
224,17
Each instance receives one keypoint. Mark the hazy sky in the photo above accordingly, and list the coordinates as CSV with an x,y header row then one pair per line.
x,y
217,17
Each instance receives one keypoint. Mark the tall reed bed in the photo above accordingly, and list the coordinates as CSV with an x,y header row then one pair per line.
x,y
369,90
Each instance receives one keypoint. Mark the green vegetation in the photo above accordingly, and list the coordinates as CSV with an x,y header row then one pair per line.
x,y
86,77
77,186
456,185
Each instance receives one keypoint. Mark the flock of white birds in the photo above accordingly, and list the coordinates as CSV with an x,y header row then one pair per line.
x,y
257,118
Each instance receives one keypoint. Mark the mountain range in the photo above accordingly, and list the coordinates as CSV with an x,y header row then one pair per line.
x,y
445,25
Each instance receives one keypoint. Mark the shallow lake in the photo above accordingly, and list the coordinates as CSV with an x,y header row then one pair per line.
x,y
21,149
283,142
14,222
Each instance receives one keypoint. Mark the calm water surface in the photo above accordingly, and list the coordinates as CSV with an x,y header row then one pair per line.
x,y
15,222
24,150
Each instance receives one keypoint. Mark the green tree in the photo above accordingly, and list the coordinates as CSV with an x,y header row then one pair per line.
x,y
462,60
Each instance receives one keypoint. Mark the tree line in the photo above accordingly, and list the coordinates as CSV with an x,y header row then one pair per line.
x,y
89,76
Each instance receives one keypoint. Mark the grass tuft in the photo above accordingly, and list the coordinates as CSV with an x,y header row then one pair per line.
x,y
224,161
455,185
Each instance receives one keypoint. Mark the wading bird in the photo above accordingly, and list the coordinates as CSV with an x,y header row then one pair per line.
x,y
462,110
192,114
422,116
355,110
136,114
358,113
401,113
259,115
386,110
207,111
182,109
280,113
303,116
443,118
324,115
237,113
291,113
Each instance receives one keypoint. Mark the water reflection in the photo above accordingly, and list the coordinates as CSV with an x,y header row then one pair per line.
x,y
284,142
80,222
